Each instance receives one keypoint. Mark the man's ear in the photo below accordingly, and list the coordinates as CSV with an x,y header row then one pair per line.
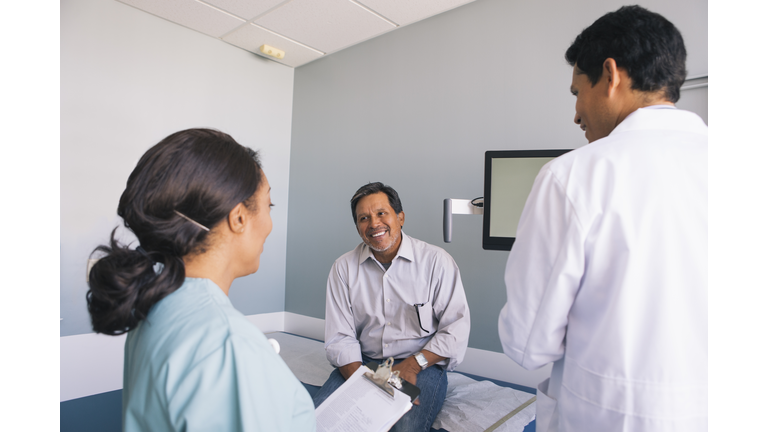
x,y
237,218
611,72
401,218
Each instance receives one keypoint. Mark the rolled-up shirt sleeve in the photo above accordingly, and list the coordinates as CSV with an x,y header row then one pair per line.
x,y
341,344
450,313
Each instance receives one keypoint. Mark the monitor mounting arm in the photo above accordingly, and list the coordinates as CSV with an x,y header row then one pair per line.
x,y
453,206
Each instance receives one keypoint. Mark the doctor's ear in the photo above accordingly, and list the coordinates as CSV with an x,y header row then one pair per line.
x,y
611,72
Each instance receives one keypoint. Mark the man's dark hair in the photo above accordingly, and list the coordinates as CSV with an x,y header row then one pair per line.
x,y
644,43
372,188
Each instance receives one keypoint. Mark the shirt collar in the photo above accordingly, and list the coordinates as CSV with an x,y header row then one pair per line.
x,y
405,251
660,106
208,286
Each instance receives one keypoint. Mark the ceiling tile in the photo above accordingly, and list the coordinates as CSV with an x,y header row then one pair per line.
x,y
328,25
190,13
405,12
247,9
251,38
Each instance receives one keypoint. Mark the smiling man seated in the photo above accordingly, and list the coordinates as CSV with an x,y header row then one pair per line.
x,y
395,296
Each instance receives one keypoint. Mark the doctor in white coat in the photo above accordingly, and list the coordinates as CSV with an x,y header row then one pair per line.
x,y
608,275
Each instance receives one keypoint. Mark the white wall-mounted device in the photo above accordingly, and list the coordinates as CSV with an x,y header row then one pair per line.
x,y
453,206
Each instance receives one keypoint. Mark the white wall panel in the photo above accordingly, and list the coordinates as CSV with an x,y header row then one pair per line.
x,y
128,80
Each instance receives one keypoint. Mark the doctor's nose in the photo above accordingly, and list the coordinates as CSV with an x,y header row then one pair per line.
x,y
577,119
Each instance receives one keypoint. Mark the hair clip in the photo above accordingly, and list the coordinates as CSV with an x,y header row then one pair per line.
x,y
193,221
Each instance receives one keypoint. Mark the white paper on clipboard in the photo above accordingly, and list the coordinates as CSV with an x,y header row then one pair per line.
x,y
359,405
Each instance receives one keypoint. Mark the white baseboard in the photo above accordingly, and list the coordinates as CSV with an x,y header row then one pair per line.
x,y
93,363
290,322
303,325
268,322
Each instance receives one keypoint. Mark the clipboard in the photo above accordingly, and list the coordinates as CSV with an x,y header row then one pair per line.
x,y
388,381
371,403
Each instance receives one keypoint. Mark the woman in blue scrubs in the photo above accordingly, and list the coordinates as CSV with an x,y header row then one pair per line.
x,y
199,205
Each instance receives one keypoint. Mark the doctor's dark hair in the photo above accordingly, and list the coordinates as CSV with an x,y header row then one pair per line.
x,y
372,188
644,43
181,187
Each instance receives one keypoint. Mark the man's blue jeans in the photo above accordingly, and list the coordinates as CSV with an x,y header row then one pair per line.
x,y
433,383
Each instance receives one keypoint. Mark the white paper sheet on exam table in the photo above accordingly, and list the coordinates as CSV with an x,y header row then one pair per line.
x,y
474,406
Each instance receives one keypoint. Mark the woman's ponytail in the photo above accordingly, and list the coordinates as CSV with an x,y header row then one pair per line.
x,y
126,283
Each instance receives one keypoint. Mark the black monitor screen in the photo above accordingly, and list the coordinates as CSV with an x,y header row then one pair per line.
x,y
509,177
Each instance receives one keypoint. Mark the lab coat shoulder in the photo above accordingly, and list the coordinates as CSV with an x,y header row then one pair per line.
x,y
548,259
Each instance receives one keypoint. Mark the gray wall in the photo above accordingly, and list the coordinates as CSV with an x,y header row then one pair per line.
x,y
128,79
417,108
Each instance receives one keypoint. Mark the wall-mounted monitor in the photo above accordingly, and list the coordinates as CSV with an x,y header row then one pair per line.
x,y
509,177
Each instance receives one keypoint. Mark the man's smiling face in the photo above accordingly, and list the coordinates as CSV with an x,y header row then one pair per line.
x,y
378,224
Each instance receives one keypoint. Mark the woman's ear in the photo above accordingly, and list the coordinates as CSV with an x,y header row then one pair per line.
x,y
237,218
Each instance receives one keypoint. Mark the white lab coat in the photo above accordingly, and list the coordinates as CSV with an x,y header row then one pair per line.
x,y
608,280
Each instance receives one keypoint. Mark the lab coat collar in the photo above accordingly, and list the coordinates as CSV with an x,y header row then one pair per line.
x,y
654,118
405,251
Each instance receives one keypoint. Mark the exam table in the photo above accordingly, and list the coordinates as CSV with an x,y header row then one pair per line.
x,y
473,403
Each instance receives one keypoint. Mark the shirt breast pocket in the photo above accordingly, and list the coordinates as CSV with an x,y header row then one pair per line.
x,y
424,318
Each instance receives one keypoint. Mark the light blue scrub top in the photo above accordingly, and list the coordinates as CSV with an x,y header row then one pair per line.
x,y
197,364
